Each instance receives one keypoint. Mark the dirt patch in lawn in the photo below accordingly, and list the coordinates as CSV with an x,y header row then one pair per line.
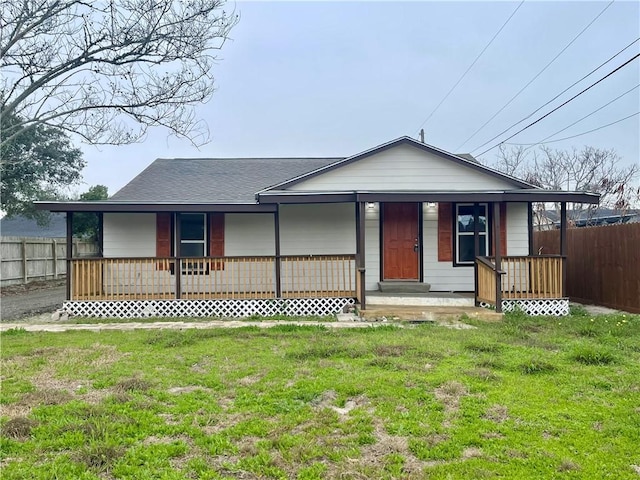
x,y
30,287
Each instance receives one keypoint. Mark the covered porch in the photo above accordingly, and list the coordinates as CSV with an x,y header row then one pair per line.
x,y
313,283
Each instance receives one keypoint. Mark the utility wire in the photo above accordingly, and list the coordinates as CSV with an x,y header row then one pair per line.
x,y
470,67
544,140
565,103
556,97
535,77
583,133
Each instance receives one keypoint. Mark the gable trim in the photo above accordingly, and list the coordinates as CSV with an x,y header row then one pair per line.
x,y
393,143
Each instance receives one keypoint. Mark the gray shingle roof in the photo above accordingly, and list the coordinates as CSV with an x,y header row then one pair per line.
x,y
213,180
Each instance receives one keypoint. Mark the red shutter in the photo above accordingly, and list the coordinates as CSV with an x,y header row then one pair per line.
x,y
445,236
216,239
163,238
503,231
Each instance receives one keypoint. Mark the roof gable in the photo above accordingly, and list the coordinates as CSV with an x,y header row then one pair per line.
x,y
465,166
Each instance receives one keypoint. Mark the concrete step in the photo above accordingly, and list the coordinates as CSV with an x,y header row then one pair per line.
x,y
419,300
399,286
427,314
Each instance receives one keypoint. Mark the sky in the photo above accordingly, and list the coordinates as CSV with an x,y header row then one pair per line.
x,y
336,78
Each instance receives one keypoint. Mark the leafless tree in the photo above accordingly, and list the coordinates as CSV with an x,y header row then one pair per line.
x,y
589,169
109,70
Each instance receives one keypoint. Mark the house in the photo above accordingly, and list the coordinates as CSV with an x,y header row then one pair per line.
x,y
550,219
19,226
310,235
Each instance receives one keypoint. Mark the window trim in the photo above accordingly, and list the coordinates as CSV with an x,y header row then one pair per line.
x,y
458,234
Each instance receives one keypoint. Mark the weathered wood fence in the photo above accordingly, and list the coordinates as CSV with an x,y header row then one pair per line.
x,y
27,259
603,263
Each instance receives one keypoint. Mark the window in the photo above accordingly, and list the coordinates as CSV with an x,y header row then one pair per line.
x,y
465,223
193,235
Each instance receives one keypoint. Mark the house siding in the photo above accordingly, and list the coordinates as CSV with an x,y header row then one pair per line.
x,y
403,167
372,247
249,234
315,229
129,235
517,229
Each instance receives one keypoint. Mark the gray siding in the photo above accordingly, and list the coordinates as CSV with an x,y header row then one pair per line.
x,y
249,234
403,167
315,229
129,235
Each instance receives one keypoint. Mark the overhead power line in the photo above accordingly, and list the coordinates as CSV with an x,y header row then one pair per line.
x,y
544,140
535,77
584,133
564,103
557,96
470,67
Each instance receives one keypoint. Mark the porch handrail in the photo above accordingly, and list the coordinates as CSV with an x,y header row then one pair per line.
x,y
232,277
521,277
485,280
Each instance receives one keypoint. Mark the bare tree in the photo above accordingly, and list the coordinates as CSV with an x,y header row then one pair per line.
x,y
108,70
589,169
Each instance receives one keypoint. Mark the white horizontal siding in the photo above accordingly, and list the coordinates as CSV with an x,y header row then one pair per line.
x,y
517,229
403,167
315,229
249,234
129,235
372,247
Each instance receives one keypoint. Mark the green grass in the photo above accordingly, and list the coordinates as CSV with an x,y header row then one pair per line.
x,y
523,398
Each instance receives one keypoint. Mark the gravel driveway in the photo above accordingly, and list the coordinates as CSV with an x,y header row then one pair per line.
x,y
16,304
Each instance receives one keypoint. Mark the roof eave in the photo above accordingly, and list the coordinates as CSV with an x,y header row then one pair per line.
x,y
152,207
531,195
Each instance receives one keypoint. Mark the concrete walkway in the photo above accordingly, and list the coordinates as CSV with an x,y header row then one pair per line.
x,y
98,327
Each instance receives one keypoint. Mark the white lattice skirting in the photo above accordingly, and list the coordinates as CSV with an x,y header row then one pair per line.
x,y
206,308
553,306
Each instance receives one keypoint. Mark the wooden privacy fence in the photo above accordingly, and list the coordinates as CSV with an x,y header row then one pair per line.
x,y
27,259
603,263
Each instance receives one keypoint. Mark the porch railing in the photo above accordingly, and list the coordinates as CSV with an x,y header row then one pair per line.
x,y
212,277
521,277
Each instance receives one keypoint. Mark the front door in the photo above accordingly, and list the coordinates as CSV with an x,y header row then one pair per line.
x,y
401,242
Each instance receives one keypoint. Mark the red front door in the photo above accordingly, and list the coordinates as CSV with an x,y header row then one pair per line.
x,y
400,237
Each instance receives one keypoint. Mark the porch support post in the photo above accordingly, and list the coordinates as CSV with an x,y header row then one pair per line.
x,y
360,269
100,233
69,252
530,228
178,260
276,229
563,245
497,255
476,248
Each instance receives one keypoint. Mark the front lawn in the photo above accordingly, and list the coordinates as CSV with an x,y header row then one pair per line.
x,y
525,398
